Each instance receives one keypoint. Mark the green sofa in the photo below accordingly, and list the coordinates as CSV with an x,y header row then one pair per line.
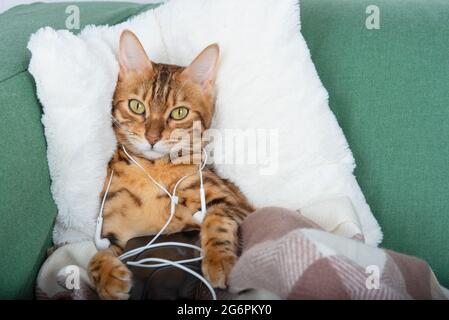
x,y
388,87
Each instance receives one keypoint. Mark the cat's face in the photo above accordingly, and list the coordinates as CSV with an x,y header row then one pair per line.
x,y
153,102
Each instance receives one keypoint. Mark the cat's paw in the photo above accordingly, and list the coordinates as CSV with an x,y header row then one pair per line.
x,y
110,276
216,267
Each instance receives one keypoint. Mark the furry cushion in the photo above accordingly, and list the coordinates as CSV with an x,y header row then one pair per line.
x,y
266,83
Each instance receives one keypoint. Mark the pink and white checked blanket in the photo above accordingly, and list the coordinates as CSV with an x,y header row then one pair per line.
x,y
290,256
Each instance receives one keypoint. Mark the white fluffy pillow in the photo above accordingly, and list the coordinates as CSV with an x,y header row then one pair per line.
x,y
266,81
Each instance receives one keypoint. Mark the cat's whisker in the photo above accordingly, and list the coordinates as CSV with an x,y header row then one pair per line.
x,y
119,125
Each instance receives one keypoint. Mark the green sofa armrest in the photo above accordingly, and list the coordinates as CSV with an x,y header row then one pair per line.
x,y
389,90
27,210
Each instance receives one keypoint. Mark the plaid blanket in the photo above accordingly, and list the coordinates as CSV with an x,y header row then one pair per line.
x,y
290,256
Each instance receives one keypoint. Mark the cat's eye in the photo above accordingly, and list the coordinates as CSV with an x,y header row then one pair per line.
x,y
179,113
136,106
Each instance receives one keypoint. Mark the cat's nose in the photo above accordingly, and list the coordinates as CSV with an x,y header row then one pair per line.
x,y
153,138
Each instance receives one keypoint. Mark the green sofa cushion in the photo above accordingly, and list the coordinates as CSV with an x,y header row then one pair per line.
x,y
389,90
27,210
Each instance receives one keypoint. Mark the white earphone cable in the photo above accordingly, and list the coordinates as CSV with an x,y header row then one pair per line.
x,y
180,266
174,202
177,244
151,244
105,194
143,169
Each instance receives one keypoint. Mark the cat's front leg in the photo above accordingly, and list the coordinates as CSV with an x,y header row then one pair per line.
x,y
111,277
219,242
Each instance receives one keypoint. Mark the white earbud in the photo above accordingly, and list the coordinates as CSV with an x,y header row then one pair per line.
x,y
102,243
198,217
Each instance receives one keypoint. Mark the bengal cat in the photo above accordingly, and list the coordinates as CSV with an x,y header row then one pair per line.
x,y
152,100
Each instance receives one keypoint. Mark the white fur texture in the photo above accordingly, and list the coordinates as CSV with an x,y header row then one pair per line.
x,y
266,80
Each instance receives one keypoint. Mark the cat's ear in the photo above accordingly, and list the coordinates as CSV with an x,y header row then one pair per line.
x,y
132,56
203,69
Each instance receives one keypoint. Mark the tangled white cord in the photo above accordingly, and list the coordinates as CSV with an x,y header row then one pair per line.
x,y
158,262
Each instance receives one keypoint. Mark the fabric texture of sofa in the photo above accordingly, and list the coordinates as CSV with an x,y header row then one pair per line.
x,y
387,87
